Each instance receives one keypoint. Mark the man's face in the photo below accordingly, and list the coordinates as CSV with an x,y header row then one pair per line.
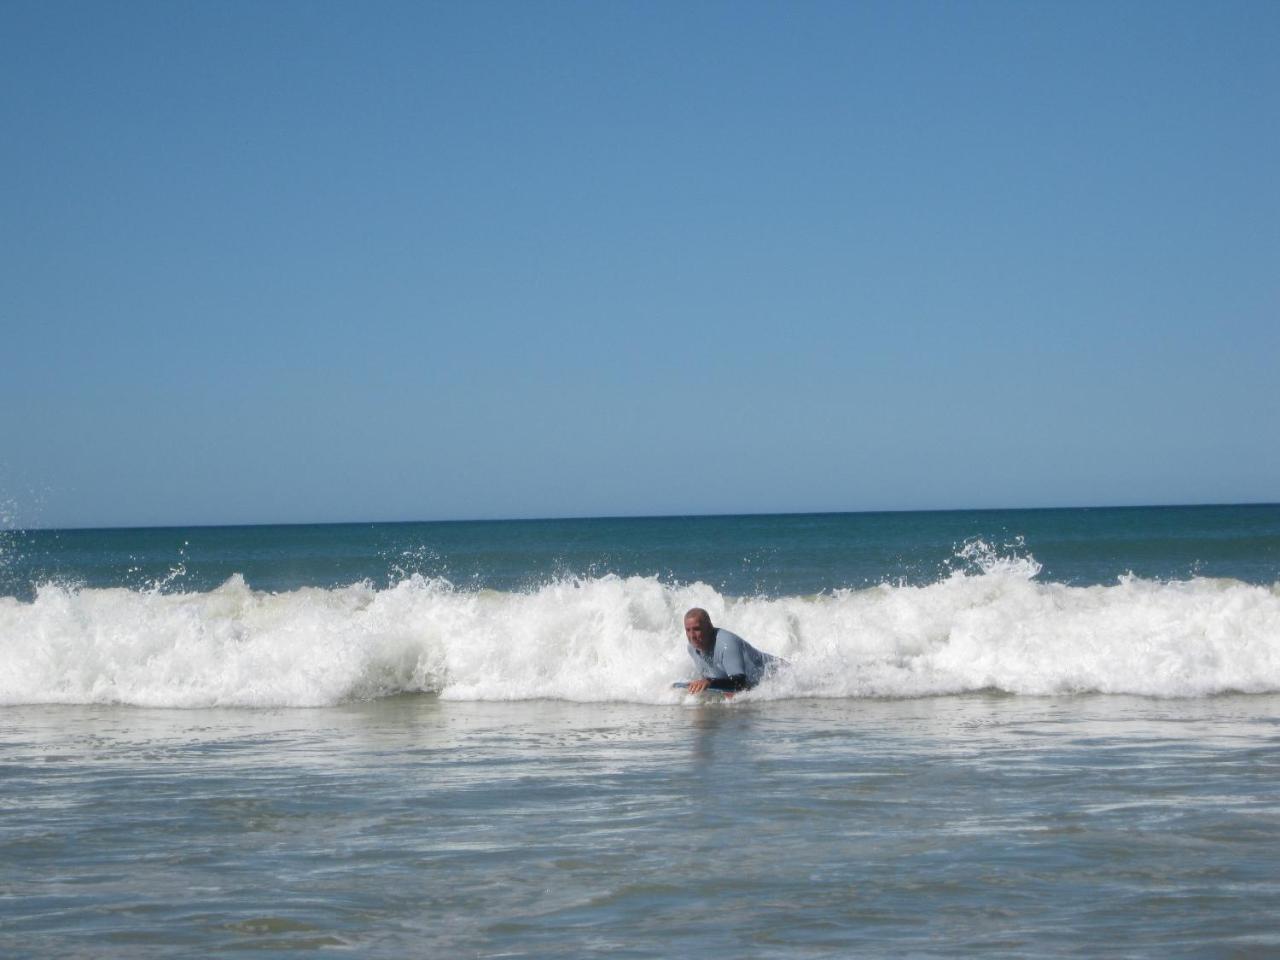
x,y
699,632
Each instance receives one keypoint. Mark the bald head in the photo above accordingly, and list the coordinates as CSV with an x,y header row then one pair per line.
x,y
699,631
697,613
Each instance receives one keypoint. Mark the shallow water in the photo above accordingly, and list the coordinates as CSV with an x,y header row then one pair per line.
x,y
974,825
1001,734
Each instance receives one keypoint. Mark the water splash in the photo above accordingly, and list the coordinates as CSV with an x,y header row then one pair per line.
x,y
978,556
990,625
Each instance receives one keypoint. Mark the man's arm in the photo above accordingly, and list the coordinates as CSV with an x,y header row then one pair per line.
x,y
733,661
732,683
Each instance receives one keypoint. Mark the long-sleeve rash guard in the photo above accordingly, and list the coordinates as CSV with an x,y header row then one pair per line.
x,y
734,664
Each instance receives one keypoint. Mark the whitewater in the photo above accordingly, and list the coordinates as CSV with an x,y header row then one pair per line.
x,y
1000,734
993,626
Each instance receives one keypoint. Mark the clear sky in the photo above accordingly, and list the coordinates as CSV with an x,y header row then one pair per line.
x,y
309,261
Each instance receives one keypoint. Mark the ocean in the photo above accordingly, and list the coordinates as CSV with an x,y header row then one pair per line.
x,y
1033,733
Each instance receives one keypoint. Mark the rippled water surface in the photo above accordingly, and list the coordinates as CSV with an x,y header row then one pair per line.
x,y
976,825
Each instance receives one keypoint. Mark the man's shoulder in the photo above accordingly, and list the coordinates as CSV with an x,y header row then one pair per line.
x,y
727,636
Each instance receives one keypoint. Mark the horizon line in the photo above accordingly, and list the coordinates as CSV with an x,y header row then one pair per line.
x,y
635,516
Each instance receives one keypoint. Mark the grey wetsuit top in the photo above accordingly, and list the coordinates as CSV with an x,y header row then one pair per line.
x,y
731,658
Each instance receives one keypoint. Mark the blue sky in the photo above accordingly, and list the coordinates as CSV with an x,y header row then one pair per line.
x,y
317,261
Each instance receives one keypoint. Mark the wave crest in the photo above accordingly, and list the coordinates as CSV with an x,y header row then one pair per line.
x,y
989,626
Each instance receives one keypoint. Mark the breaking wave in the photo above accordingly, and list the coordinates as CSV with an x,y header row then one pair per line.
x,y
992,626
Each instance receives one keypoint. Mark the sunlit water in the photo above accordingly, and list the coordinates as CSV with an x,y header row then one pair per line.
x,y
1000,734
977,825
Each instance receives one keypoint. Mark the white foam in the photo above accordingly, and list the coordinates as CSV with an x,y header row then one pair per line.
x,y
611,638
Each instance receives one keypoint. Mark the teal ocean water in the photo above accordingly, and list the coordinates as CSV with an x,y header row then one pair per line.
x,y
740,555
1002,733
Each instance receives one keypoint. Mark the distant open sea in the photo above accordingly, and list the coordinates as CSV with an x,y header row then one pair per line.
x,y
1033,733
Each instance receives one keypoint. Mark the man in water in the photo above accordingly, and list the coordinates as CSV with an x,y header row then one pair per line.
x,y
725,661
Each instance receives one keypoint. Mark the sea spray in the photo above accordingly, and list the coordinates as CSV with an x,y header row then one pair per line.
x,y
991,625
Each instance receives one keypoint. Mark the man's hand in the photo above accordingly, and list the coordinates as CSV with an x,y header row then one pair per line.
x,y
697,686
